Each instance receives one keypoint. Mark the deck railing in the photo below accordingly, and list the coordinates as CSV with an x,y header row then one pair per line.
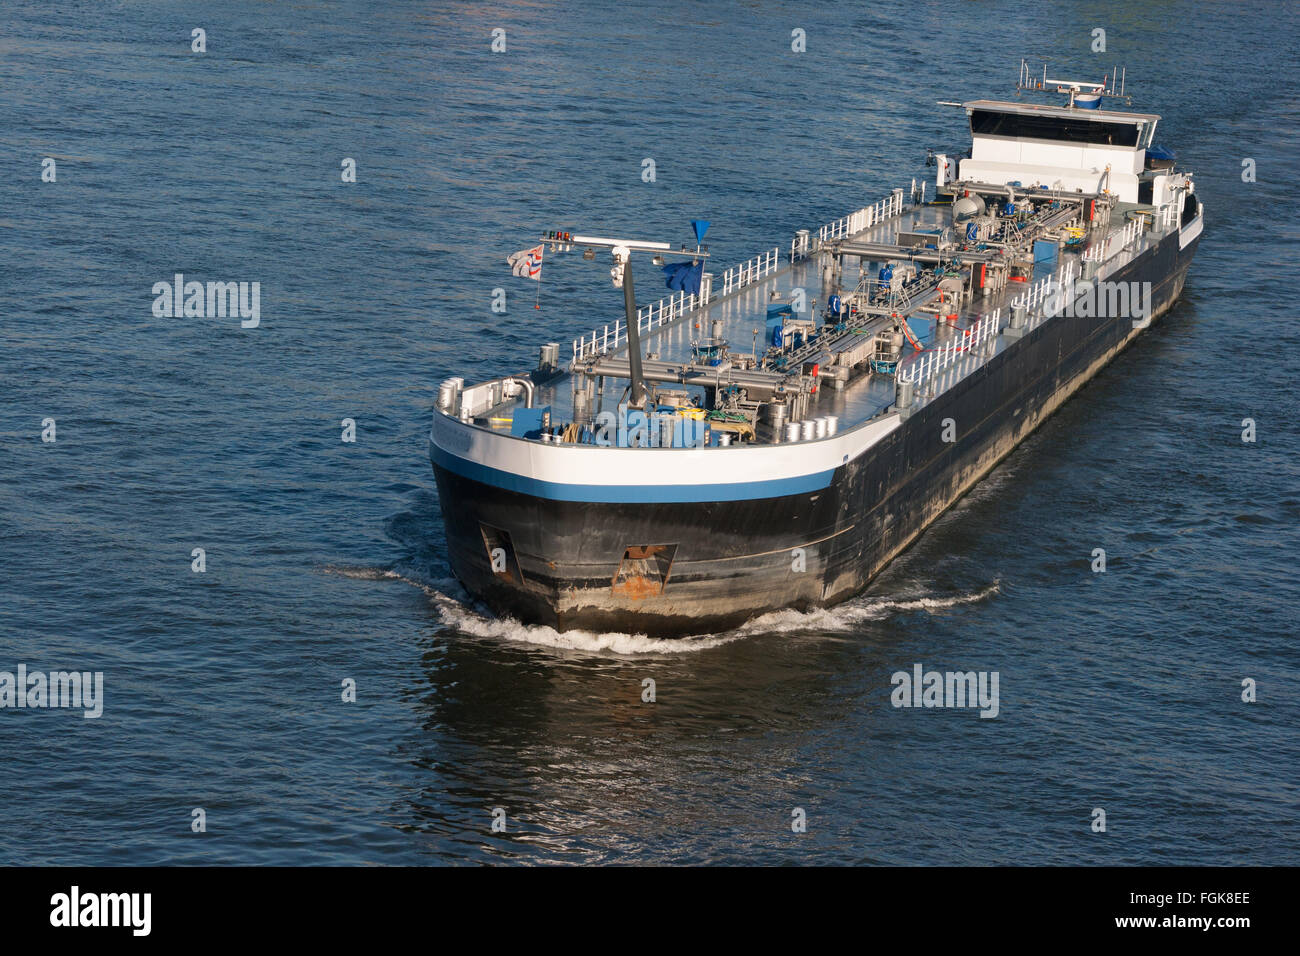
x,y
800,245
1045,299
651,317
864,218
737,277
1034,295
937,369
1115,243
648,318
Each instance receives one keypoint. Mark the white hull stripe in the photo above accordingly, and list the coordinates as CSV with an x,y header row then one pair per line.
x,y
603,474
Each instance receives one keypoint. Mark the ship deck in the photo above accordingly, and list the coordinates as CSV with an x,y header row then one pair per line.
x,y
743,314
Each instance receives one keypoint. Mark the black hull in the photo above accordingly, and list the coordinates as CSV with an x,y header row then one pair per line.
x,y
734,560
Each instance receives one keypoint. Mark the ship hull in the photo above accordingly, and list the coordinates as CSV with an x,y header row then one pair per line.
x,y
686,567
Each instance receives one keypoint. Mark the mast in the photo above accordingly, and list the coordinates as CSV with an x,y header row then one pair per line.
x,y
621,250
636,392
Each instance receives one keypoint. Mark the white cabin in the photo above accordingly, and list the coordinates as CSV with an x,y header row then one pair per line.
x,y
1060,147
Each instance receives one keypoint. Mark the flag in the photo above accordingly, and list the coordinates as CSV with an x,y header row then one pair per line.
x,y
527,263
684,276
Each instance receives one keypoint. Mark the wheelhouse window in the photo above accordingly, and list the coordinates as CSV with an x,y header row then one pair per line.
x,y
1062,129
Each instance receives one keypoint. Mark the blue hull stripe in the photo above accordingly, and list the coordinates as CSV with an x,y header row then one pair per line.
x,y
612,494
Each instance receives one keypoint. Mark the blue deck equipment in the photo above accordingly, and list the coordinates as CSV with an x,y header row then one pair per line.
x,y
530,422
775,329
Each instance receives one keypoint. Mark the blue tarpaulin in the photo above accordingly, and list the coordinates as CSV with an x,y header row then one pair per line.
x,y
684,276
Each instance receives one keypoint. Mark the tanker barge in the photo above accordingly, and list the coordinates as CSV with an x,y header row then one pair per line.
x,y
771,435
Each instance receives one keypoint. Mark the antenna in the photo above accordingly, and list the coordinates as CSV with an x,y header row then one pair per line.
x,y
1088,92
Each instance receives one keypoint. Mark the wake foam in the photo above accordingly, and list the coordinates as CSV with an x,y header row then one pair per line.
x,y
847,616
458,612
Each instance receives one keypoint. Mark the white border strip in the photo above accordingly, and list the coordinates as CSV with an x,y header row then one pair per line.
x,y
633,467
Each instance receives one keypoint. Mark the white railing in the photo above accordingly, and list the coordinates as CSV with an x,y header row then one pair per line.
x,y
800,246
665,310
1115,243
737,277
847,226
1034,295
938,369
1048,297
651,317
864,218
1132,232
648,318
610,337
